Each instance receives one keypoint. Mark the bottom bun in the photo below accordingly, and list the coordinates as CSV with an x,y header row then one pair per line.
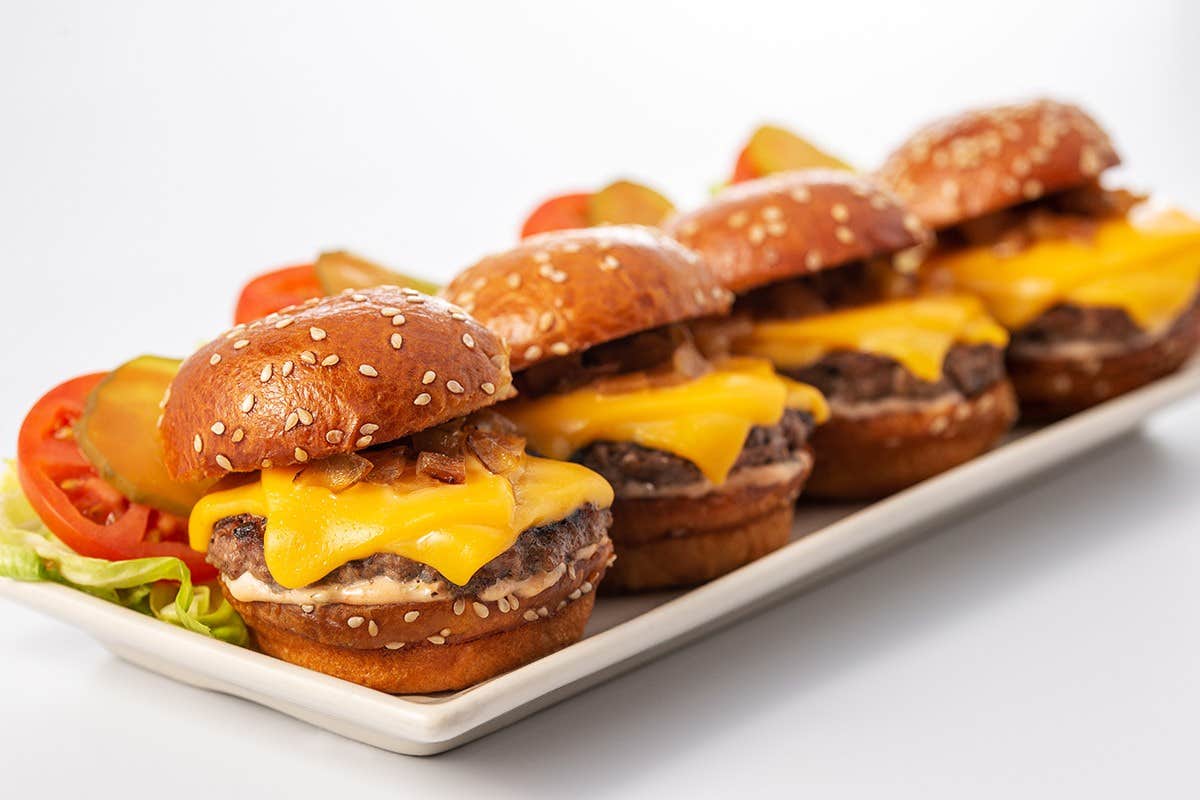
x,y
864,458
426,668
1051,386
673,542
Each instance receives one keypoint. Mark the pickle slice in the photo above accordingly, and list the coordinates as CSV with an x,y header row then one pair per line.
x,y
628,203
118,433
773,149
339,270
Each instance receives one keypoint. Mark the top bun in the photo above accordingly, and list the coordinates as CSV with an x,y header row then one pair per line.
x,y
330,376
561,292
796,223
984,160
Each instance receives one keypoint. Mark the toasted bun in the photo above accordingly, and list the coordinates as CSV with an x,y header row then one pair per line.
x,y
988,159
331,376
796,223
429,660
1050,387
866,458
562,292
670,542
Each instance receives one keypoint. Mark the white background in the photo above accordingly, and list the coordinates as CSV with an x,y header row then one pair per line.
x,y
154,155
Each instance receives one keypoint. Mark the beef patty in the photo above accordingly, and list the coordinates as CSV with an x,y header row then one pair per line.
x,y
850,376
237,547
622,463
1096,324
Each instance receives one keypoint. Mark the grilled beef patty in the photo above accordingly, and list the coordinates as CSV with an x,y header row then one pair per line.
x,y
237,547
622,463
1098,324
855,377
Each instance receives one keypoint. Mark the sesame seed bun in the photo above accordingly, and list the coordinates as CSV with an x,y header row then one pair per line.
x,y
984,160
428,647
794,224
670,542
866,458
562,292
331,376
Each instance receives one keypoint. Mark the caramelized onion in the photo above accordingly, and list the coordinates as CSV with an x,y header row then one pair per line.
x,y
443,468
336,473
390,465
499,452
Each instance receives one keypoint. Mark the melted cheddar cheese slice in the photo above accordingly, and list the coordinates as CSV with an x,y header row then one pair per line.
x,y
704,420
454,528
916,332
1147,264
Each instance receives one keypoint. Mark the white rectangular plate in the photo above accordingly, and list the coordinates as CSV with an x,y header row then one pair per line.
x,y
624,632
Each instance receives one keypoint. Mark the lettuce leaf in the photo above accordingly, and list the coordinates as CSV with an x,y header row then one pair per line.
x,y
30,552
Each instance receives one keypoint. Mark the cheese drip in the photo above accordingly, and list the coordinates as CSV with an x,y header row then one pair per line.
x,y
704,420
1147,264
454,528
915,332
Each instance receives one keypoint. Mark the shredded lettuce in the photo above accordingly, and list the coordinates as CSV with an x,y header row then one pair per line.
x,y
30,552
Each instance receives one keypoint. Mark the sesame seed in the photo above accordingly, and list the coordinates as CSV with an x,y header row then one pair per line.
x,y
214,359
840,212
267,463
411,616
198,443
543,612
454,386
912,222
513,280
238,435
480,610
756,234
247,403
265,375
306,417
368,370
503,605
586,587
372,628
844,234
224,463
771,212
409,292
283,323
698,295
218,428
813,260
610,262
801,194
444,632
530,616
469,341
398,319
240,343
429,377
938,425
292,420
363,441
355,622
460,605
776,228
541,257
546,321
394,645
575,595
397,341
737,219
415,298
436,639
533,352
389,311
307,608
488,387
308,357
572,247
301,454
560,348
368,429
330,360
334,436
359,298
317,334
422,399
1032,189
286,369
514,602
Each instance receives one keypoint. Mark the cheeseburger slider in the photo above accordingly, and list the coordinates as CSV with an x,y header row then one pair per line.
x,y
374,521
1098,288
706,459
916,385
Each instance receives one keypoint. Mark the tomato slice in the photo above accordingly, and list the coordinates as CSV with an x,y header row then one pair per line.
x,y
275,290
76,504
743,170
559,213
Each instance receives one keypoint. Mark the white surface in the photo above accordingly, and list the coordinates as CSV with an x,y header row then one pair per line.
x,y
151,157
624,632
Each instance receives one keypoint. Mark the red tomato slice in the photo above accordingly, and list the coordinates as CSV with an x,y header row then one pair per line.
x,y
76,504
275,290
559,213
743,170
